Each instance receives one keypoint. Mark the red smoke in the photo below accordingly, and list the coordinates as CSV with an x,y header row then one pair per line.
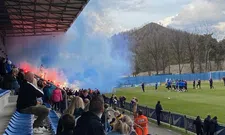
x,y
51,74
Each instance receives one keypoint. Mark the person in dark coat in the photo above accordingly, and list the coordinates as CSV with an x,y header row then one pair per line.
x,y
207,125
64,102
85,95
158,110
68,122
90,122
213,126
198,125
143,87
3,67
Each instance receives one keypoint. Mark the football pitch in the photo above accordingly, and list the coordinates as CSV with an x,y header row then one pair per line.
x,y
195,102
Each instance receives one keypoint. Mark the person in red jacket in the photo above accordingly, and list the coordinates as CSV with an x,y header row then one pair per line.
x,y
57,98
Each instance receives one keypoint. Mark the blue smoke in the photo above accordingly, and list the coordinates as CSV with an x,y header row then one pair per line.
x,y
84,56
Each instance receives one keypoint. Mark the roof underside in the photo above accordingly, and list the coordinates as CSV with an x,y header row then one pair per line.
x,y
38,17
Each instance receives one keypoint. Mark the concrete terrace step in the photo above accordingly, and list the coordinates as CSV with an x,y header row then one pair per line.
x,y
13,99
5,116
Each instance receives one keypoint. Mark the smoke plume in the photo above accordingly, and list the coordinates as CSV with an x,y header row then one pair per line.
x,y
81,56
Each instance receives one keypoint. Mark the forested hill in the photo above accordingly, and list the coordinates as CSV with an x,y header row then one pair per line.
x,y
155,48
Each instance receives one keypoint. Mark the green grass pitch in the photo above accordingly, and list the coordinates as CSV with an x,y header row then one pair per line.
x,y
192,103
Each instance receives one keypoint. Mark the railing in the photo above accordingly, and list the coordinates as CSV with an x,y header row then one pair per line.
x,y
173,119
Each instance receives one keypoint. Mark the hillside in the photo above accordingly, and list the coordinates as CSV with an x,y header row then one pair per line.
x,y
155,48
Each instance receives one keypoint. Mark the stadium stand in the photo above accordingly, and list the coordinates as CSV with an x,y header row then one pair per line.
x,y
20,123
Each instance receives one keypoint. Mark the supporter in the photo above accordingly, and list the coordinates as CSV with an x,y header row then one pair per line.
x,y
126,119
3,67
27,102
120,128
158,110
77,93
63,103
50,91
10,81
86,104
85,95
134,103
67,123
122,101
142,121
115,101
76,107
105,118
40,85
111,100
8,66
20,76
198,125
213,126
90,122
46,93
206,125
56,98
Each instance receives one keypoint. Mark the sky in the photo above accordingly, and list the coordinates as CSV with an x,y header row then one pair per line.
x,y
198,16
85,55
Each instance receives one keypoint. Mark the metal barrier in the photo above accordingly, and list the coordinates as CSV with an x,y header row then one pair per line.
x,y
173,119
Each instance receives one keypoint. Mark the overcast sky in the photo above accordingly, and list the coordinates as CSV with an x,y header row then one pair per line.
x,y
113,16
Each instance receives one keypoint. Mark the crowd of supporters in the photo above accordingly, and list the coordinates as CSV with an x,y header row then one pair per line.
x,y
84,112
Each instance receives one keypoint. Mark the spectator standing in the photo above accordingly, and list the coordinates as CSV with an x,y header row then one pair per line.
x,y
56,98
85,95
158,110
198,125
120,128
90,122
10,80
3,67
63,103
213,126
27,102
142,121
206,125
143,87
75,109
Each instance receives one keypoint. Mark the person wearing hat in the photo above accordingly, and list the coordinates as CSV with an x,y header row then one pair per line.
x,y
142,121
